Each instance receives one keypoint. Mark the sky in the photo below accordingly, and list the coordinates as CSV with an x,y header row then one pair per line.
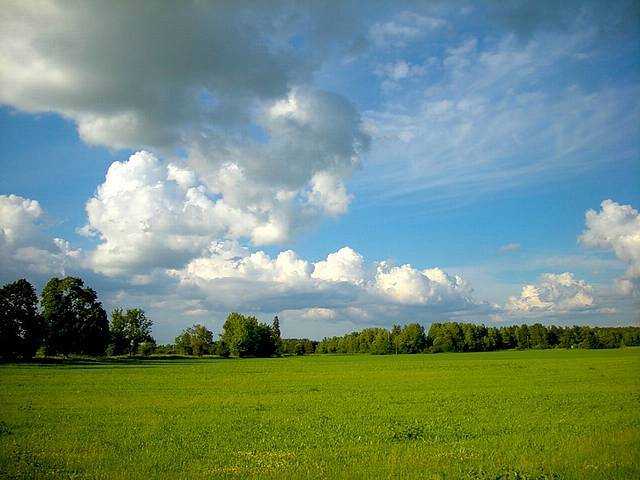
x,y
339,164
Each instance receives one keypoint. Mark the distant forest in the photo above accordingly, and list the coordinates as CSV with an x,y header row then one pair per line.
x,y
70,320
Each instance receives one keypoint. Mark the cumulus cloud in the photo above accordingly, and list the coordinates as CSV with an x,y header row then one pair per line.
x,y
344,280
263,154
553,293
617,228
152,214
345,265
405,284
24,244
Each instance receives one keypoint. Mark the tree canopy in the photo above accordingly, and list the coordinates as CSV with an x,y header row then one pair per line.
x,y
74,318
21,326
245,336
195,340
129,330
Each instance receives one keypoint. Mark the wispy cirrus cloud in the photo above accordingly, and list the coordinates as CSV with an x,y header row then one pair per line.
x,y
496,114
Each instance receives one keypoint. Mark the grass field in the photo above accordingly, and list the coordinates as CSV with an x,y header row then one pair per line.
x,y
531,414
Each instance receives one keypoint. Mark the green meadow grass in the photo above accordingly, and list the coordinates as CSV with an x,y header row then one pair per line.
x,y
530,414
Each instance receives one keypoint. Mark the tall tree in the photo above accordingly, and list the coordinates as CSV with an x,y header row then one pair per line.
x,y
75,320
277,337
21,327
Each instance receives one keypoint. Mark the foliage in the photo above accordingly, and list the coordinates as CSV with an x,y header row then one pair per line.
x,y
298,346
75,320
165,349
147,348
21,327
245,336
532,414
467,337
277,336
128,331
195,340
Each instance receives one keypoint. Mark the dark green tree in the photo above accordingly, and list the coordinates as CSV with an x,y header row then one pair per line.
x,y
21,326
276,334
118,344
74,319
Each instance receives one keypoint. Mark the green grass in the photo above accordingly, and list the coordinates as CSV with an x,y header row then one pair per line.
x,y
532,414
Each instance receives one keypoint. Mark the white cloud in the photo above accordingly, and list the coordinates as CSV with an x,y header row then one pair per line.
x,y
405,26
265,154
230,274
229,260
553,293
24,245
616,227
149,214
401,70
345,265
329,193
408,285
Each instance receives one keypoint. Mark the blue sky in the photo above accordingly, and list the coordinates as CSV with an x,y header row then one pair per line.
x,y
341,165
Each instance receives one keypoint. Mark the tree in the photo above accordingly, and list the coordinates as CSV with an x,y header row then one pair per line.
x,y
245,336
195,340
395,337
412,338
75,320
522,336
129,330
381,343
21,327
147,348
539,336
201,340
277,337
118,344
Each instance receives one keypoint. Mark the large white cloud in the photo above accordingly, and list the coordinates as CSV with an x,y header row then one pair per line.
x,y
345,265
616,227
150,214
344,280
405,284
24,244
262,154
553,294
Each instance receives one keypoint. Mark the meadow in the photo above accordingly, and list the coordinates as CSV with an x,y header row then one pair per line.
x,y
532,414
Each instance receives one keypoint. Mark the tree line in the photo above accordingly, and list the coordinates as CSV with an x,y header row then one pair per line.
x,y
467,337
70,320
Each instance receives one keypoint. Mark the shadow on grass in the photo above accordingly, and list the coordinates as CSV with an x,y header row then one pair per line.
x,y
135,361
